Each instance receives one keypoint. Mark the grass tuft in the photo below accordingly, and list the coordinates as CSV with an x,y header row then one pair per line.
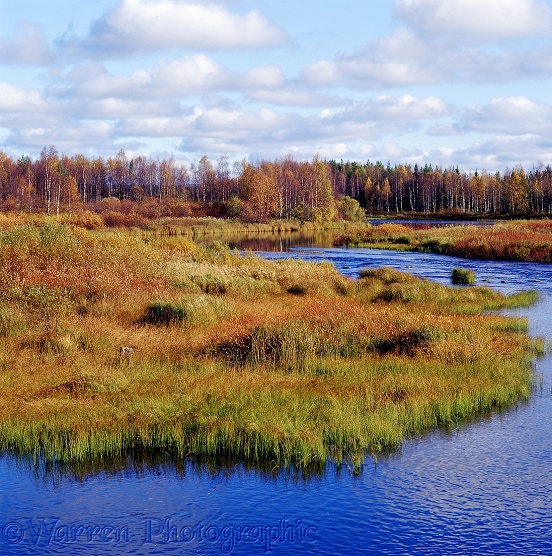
x,y
463,276
165,313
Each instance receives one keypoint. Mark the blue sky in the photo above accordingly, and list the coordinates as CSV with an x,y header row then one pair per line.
x,y
448,82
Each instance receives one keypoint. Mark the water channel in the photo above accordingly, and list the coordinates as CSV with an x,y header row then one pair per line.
x,y
484,487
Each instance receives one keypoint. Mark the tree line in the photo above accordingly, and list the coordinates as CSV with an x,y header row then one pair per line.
x,y
315,190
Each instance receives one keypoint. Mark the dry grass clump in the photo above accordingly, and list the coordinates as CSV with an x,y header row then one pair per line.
x,y
233,355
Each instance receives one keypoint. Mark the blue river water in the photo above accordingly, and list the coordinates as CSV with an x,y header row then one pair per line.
x,y
484,487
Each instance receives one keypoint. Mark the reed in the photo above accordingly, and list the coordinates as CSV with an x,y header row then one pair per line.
x,y
236,356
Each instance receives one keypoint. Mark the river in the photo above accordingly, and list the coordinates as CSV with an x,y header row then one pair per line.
x,y
484,487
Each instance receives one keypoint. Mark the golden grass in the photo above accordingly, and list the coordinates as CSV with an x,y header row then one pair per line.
x,y
286,361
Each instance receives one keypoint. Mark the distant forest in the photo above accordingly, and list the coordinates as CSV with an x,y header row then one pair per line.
x,y
316,190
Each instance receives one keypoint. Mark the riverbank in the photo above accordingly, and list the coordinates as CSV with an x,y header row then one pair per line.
x,y
529,241
191,227
112,342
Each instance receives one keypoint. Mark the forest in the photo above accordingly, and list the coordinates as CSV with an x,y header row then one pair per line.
x,y
315,190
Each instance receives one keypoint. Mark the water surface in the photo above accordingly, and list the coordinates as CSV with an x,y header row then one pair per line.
x,y
484,487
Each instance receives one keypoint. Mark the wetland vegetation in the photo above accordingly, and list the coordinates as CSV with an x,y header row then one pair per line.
x,y
516,240
232,355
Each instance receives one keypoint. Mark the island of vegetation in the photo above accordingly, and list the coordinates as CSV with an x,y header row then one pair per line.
x,y
115,343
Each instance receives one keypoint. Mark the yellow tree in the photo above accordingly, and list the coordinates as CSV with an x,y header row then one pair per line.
x,y
386,192
258,188
517,191
322,199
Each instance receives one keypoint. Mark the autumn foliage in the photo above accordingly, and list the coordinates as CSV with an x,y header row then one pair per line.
x,y
315,190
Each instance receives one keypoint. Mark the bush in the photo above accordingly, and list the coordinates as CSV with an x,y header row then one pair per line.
x,y
463,276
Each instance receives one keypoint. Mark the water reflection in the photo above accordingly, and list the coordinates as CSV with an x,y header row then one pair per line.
x,y
271,242
161,463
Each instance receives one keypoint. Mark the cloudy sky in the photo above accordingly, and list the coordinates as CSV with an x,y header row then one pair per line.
x,y
463,82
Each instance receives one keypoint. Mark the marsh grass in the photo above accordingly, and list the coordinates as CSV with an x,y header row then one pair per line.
x,y
516,240
228,362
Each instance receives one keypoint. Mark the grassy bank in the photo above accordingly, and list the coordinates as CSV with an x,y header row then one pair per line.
x,y
231,355
191,227
529,241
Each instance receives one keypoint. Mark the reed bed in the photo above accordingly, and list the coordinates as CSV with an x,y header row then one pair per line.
x,y
229,355
529,241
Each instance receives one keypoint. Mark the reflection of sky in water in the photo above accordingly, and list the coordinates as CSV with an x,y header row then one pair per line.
x,y
481,488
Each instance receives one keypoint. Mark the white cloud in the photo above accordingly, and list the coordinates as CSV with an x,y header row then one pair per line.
x,y
264,77
406,59
65,135
116,109
15,99
28,48
509,115
148,25
168,78
484,20
188,74
394,61
293,96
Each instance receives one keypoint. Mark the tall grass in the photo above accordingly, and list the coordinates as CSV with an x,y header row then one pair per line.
x,y
234,356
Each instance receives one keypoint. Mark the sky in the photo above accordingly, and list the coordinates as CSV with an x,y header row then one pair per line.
x,y
464,83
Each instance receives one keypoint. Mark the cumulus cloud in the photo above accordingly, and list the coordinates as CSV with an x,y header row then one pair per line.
x,y
15,99
500,152
442,41
407,59
264,77
65,135
398,60
509,115
280,133
182,76
484,21
190,75
29,47
149,25
293,96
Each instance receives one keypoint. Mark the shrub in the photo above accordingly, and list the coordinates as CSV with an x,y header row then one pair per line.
x,y
88,220
408,341
463,276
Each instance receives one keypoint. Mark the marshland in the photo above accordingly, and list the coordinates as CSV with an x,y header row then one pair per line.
x,y
234,355
519,240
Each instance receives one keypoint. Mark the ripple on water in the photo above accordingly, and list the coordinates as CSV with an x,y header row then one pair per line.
x,y
482,488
